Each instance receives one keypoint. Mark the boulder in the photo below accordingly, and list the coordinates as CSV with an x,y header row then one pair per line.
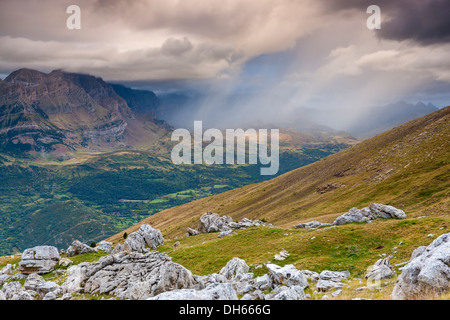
x,y
78,247
15,291
327,285
138,240
381,270
263,282
4,278
212,222
311,275
354,215
386,212
40,259
129,275
311,225
235,268
368,214
191,232
287,293
7,270
214,291
282,255
33,281
428,272
64,262
287,275
331,280
105,246
225,233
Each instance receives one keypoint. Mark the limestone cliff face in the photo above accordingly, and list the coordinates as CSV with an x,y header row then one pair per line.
x,y
62,111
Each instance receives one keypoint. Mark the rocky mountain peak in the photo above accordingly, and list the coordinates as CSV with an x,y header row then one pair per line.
x,y
61,110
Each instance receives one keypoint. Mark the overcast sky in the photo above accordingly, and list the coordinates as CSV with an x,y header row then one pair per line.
x,y
291,52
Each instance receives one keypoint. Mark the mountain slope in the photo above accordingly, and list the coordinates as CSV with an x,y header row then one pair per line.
x,y
407,167
62,112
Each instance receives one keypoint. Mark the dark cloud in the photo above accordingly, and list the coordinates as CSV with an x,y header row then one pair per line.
x,y
423,21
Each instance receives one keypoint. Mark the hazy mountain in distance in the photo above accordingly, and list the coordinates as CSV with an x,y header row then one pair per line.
x,y
367,122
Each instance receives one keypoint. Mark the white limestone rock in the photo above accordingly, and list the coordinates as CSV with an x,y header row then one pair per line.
x,y
78,247
40,259
235,268
287,275
428,272
381,270
214,291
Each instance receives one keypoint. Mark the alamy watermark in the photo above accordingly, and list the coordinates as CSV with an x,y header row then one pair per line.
x,y
374,21
74,20
234,151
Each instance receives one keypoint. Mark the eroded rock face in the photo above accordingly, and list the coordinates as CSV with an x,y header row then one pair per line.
x,y
428,272
40,259
368,214
129,275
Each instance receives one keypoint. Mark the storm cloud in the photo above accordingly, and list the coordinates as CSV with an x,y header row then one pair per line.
x,y
423,21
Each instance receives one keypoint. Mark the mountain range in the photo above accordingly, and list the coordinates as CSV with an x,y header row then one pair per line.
x,y
61,113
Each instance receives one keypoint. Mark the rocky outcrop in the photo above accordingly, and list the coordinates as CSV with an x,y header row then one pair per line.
x,y
381,270
331,280
105,246
40,259
288,275
79,248
428,272
129,275
370,213
192,232
212,222
311,225
35,287
138,240
215,291
235,268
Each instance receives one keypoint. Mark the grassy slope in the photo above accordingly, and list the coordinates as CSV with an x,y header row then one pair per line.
x,y
407,167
